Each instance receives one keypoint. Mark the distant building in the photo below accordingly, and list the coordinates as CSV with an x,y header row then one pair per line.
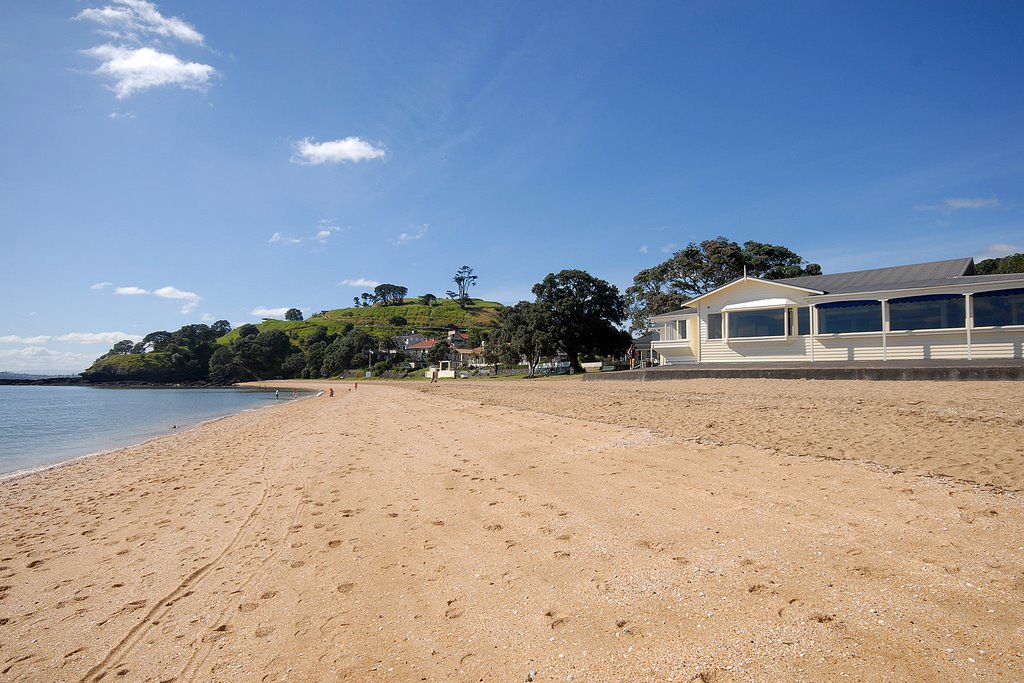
x,y
939,310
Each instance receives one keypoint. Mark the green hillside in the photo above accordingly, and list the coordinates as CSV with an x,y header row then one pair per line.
x,y
442,316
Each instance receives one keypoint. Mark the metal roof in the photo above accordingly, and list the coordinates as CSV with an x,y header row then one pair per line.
x,y
897,277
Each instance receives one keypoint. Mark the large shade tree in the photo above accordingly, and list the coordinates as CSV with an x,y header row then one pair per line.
x,y
584,312
698,268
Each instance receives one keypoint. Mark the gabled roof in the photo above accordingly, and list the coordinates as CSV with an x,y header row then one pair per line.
x,y
897,277
427,344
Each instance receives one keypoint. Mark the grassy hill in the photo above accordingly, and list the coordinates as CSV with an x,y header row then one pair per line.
x,y
442,316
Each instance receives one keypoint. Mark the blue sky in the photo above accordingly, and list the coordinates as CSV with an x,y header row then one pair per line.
x,y
177,162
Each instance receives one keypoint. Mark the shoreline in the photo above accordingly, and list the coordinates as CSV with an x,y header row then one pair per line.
x,y
404,531
187,425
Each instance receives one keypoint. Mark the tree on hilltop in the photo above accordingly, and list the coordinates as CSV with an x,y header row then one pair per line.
x,y
293,314
464,279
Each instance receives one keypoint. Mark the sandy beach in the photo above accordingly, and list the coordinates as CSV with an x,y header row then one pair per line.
x,y
547,530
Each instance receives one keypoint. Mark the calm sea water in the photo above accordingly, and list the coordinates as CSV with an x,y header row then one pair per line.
x,y
46,425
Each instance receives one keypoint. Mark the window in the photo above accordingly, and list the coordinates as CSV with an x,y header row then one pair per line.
x,y
934,312
850,316
714,325
1001,307
681,329
764,323
803,320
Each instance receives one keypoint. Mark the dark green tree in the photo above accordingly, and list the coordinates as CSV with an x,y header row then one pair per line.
x,y
525,333
248,330
220,328
293,314
397,321
439,352
428,299
584,312
1014,263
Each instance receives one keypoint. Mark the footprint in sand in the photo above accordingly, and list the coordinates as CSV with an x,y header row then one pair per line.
x,y
297,563
264,631
268,595
346,587
333,544
248,607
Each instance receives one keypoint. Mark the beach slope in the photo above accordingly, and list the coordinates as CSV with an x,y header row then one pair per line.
x,y
547,530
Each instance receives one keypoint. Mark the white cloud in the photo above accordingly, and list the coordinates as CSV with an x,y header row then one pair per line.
x,y
643,249
191,299
101,285
406,237
114,115
359,282
958,203
135,69
269,312
130,19
135,57
278,238
37,359
97,337
999,250
15,339
310,153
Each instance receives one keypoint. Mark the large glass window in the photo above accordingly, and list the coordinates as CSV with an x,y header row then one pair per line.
x,y
1001,307
766,323
933,312
714,325
849,316
803,320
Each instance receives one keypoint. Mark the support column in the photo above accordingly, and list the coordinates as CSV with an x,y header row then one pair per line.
x,y
969,322
885,329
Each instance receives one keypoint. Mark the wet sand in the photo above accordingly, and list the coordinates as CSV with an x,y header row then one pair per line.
x,y
709,530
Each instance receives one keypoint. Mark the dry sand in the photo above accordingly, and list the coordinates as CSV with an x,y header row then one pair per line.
x,y
709,530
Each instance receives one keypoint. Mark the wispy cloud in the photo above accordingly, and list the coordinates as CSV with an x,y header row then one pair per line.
x,y
406,237
999,250
137,58
40,359
959,203
669,248
307,152
324,230
16,339
269,312
97,337
191,299
101,285
358,282
116,115
643,249
134,20
278,238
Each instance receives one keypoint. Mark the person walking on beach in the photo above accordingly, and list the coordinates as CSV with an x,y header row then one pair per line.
x,y
277,393
331,394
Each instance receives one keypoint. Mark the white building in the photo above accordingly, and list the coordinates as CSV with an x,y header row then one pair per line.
x,y
925,311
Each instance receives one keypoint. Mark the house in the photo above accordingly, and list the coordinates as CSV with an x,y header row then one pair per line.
x,y
404,341
939,310
418,351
